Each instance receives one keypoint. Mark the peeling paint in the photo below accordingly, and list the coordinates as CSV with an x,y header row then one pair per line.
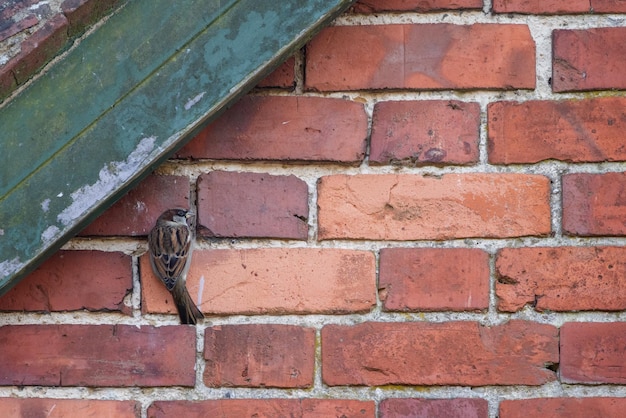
x,y
200,290
9,267
49,234
111,176
193,101
45,205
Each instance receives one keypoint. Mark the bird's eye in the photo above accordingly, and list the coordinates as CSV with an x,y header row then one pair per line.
x,y
181,213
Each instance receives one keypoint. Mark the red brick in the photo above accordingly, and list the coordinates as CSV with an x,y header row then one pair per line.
x,y
40,48
97,355
571,130
563,408
425,132
430,279
281,77
426,408
410,207
68,408
83,13
369,6
593,353
285,128
448,353
271,280
608,6
8,83
594,204
232,204
264,408
7,30
561,279
541,7
74,280
589,59
136,213
259,355
421,56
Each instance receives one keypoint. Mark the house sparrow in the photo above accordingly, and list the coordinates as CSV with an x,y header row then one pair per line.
x,y
170,244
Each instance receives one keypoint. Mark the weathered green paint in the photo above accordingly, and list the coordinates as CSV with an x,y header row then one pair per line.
x,y
125,98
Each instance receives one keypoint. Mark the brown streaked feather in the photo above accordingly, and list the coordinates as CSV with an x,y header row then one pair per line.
x,y
170,245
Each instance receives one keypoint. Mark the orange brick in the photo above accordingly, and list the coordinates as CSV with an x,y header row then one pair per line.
x,y
281,77
232,204
448,353
425,132
68,408
74,280
605,407
97,355
264,408
284,128
430,279
271,280
424,56
570,130
426,408
561,279
594,204
541,7
370,6
136,213
588,59
608,6
409,207
593,353
259,355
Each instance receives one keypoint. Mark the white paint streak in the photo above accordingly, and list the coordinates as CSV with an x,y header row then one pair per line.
x,y
45,205
200,290
1,232
51,409
49,234
60,194
110,177
193,101
8,267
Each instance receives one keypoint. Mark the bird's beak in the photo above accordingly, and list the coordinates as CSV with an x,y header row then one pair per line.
x,y
189,215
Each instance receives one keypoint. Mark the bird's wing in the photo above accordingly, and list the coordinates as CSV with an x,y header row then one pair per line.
x,y
169,252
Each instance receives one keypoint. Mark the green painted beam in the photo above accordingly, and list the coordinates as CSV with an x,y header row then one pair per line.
x,y
122,100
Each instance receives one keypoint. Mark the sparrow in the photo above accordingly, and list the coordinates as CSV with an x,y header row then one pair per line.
x,y
170,244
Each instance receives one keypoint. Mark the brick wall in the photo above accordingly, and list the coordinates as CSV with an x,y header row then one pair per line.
x,y
421,214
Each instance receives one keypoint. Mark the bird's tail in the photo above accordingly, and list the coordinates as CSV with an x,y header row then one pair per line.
x,y
187,309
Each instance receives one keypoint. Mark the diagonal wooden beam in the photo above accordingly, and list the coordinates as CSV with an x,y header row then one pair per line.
x,y
125,98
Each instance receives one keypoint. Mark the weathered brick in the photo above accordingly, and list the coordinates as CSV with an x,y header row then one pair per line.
x,y
284,128
40,47
136,213
264,408
449,353
605,407
426,408
83,13
74,280
593,353
429,279
425,132
589,59
97,355
369,6
396,57
541,7
282,77
11,27
409,207
233,204
8,83
594,204
608,6
561,279
68,408
259,355
271,280
570,130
